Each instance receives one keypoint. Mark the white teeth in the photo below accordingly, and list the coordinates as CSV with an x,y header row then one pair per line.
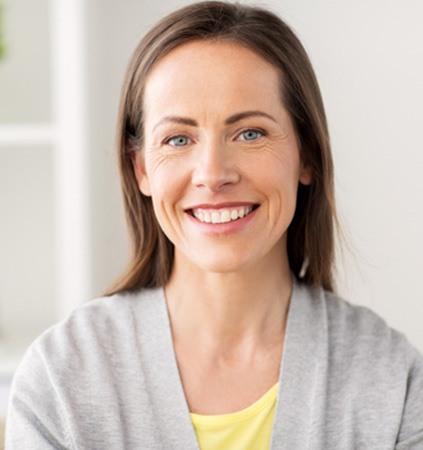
x,y
222,215
225,216
215,216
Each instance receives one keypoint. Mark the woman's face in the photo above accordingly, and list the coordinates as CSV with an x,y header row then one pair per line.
x,y
220,160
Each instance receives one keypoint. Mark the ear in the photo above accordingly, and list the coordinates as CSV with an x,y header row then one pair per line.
x,y
306,176
140,172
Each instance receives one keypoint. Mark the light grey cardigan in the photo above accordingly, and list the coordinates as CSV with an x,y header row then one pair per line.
x,y
107,378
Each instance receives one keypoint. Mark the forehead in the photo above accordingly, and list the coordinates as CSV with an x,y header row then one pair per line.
x,y
210,72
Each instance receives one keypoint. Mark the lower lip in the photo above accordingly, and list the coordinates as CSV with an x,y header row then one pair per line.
x,y
222,229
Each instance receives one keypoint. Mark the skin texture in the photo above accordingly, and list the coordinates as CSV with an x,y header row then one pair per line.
x,y
218,136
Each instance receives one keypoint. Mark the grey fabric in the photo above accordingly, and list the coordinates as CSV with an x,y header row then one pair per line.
x,y
107,378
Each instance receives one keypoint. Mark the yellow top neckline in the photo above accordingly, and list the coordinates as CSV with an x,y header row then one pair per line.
x,y
255,408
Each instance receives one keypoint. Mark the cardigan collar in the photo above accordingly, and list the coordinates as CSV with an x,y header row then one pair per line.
x,y
304,356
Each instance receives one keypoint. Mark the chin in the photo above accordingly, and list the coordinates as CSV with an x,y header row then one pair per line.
x,y
225,264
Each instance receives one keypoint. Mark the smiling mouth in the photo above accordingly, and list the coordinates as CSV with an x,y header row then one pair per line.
x,y
222,215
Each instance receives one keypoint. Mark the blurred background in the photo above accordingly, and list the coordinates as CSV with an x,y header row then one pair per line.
x,y
62,231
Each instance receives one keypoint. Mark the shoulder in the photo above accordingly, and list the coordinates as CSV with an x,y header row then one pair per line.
x,y
374,375
384,370
346,322
359,328
358,340
105,327
91,361
109,311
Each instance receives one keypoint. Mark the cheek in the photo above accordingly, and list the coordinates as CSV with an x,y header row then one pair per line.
x,y
165,180
280,181
279,168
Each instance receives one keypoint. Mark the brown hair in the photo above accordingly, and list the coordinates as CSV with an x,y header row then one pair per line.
x,y
311,233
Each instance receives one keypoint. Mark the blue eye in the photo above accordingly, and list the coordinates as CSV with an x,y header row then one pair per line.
x,y
250,135
178,141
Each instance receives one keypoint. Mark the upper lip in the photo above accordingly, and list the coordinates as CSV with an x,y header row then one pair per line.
x,y
220,205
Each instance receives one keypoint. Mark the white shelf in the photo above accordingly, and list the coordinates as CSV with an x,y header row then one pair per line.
x,y
27,134
66,136
4,397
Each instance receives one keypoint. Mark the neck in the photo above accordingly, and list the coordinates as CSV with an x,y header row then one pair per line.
x,y
229,309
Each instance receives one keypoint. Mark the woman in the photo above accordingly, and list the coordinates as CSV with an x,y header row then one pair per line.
x,y
224,331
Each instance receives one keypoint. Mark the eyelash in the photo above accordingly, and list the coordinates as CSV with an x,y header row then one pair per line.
x,y
177,136
261,133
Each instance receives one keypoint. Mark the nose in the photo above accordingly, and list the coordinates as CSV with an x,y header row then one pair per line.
x,y
215,167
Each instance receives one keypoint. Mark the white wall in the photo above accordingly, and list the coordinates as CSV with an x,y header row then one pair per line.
x,y
27,285
24,71
369,60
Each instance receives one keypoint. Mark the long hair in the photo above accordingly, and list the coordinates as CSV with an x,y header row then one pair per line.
x,y
311,234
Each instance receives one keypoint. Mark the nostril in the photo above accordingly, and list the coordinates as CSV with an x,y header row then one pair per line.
x,y
215,176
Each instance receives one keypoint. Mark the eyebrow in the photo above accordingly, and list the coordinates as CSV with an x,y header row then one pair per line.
x,y
245,115
229,121
176,119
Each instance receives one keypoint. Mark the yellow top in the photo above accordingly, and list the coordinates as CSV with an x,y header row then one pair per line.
x,y
248,429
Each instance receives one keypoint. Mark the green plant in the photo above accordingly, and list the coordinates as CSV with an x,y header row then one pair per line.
x,y
2,42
